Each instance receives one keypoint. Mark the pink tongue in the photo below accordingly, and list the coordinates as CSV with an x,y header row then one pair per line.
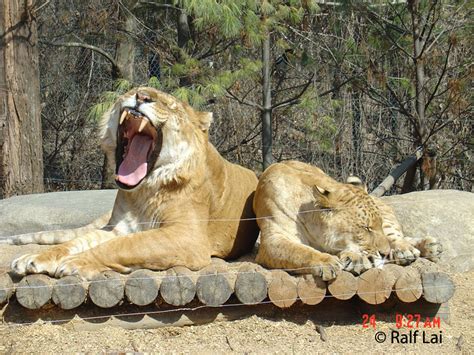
x,y
134,166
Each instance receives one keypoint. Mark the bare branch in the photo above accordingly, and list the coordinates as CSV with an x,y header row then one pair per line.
x,y
87,46
441,76
250,137
157,5
242,101
295,98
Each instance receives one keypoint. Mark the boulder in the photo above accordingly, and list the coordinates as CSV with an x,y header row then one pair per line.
x,y
55,210
50,211
447,215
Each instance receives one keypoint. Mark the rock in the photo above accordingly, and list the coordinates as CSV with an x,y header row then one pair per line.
x,y
447,215
55,210
49,211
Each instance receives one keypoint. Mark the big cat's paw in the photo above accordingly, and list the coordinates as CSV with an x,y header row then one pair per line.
x,y
327,267
80,266
430,248
34,264
403,253
355,262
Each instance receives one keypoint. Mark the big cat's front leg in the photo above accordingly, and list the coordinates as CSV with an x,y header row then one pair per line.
x,y
158,249
49,260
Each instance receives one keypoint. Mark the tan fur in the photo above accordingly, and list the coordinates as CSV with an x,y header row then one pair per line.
x,y
185,211
311,223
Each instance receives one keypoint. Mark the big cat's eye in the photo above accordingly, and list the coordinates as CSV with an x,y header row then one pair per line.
x,y
368,229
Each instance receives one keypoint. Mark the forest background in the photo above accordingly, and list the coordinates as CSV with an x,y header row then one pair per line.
x,y
353,87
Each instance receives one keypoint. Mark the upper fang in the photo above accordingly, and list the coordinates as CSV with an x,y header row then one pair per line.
x,y
122,117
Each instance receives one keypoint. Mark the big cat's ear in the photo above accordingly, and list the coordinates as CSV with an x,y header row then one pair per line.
x,y
204,120
357,182
322,195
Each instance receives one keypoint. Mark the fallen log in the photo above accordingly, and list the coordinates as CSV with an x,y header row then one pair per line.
x,y
34,291
69,292
282,288
106,290
344,287
178,287
214,285
311,289
408,286
375,286
250,284
142,286
437,287
6,288
395,174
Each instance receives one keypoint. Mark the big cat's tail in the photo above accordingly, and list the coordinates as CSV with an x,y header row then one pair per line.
x,y
45,238
54,237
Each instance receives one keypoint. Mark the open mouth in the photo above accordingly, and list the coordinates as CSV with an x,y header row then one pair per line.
x,y
138,147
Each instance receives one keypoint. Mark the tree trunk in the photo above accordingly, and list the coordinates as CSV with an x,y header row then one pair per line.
x,y
21,152
338,140
356,132
125,46
184,36
125,60
267,105
394,125
420,99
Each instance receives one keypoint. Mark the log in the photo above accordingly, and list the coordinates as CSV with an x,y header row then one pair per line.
x,y
178,287
344,286
250,284
34,291
69,292
106,290
408,286
6,288
395,174
437,287
215,285
142,287
393,271
375,286
424,265
311,289
282,288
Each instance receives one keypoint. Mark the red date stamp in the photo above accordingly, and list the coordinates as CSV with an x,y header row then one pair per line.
x,y
409,321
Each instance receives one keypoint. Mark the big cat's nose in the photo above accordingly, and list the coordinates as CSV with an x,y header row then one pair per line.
x,y
141,98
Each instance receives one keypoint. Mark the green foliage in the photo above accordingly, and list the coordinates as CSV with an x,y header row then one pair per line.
x,y
403,83
309,102
107,99
191,95
321,129
121,86
155,83
245,23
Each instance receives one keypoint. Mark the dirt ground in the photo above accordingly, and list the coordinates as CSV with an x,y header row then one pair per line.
x,y
250,335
